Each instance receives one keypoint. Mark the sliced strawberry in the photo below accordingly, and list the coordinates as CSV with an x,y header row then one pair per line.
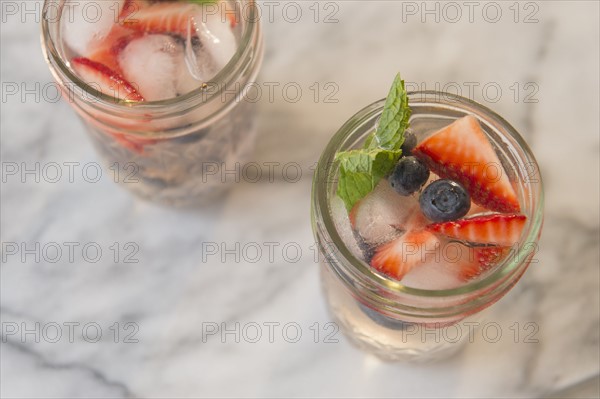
x,y
353,213
462,152
499,229
168,17
131,8
107,52
398,257
132,143
232,20
479,260
105,79
230,13
476,210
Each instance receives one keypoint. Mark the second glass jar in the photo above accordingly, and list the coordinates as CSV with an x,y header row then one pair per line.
x,y
380,314
170,151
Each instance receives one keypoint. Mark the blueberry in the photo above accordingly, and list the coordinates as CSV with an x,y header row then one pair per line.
x,y
383,320
368,250
409,175
444,200
410,142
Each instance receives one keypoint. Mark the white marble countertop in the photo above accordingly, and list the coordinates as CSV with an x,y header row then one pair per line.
x,y
171,295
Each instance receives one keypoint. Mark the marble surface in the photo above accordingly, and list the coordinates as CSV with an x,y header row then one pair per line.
x,y
166,305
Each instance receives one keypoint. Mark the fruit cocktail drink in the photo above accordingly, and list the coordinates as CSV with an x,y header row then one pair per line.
x,y
160,86
427,208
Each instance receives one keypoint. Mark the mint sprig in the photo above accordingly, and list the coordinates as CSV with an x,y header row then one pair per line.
x,y
394,119
362,169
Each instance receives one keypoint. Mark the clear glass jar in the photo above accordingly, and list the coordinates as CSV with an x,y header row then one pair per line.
x,y
379,314
169,151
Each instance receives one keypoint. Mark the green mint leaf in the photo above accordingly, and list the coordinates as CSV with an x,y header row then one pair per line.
x,y
361,170
369,141
394,119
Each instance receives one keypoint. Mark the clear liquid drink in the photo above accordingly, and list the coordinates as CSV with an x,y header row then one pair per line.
x,y
160,87
430,310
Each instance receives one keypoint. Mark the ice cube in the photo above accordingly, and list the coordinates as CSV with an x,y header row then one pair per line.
x,y
85,23
343,226
439,272
443,268
383,213
199,61
217,38
150,64
210,44
185,81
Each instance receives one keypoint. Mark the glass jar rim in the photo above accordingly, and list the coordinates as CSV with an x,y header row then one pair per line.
x,y
320,197
251,30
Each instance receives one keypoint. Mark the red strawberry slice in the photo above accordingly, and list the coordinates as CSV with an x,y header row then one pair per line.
x,y
230,13
131,7
462,152
479,260
168,17
232,20
498,229
105,79
107,52
398,257
476,210
132,143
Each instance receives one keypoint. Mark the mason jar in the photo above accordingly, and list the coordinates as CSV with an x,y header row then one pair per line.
x,y
171,151
380,314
